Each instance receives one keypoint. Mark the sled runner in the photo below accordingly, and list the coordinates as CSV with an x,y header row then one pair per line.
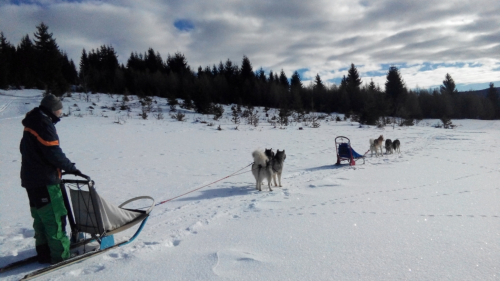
x,y
345,151
92,219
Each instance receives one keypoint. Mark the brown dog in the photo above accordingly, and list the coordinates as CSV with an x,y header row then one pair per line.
x,y
376,144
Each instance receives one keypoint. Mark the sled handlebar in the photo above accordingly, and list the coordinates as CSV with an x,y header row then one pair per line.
x,y
76,174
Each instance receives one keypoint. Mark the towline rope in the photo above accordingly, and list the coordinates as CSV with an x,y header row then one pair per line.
x,y
231,175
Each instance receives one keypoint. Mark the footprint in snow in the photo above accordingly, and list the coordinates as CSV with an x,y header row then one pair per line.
x,y
233,263
173,243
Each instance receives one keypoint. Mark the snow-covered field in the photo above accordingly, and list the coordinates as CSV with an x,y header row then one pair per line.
x,y
430,213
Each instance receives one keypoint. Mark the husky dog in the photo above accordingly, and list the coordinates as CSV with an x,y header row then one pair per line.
x,y
388,146
376,144
395,145
269,153
261,169
277,164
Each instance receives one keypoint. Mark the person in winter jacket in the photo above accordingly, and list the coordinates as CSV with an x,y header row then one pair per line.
x,y
42,163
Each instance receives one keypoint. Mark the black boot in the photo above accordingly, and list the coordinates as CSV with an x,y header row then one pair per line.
x,y
43,253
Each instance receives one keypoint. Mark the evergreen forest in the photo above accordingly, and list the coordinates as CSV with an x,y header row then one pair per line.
x,y
39,63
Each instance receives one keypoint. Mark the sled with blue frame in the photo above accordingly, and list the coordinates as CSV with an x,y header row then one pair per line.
x,y
92,219
345,151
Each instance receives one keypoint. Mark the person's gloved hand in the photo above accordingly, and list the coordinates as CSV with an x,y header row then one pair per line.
x,y
77,173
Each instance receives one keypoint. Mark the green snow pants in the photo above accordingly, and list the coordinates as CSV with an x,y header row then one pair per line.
x,y
49,221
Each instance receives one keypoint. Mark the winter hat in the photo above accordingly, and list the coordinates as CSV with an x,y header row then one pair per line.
x,y
51,102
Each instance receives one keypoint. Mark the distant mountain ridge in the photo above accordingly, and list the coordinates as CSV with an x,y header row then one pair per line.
x,y
483,92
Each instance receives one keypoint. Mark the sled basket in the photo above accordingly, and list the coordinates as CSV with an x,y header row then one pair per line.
x,y
345,151
90,213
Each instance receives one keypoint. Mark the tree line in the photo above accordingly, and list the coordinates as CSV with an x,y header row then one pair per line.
x,y
39,63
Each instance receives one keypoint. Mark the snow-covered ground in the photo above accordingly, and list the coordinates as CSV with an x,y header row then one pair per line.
x,y
429,213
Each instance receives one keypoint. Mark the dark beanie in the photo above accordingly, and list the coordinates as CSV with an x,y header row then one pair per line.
x,y
51,102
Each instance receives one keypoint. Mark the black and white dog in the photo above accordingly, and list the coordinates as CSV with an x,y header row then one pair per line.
x,y
269,153
261,169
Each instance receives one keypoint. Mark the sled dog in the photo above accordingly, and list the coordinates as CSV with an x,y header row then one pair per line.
x,y
376,144
261,169
269,153
277,164
388,146
395,145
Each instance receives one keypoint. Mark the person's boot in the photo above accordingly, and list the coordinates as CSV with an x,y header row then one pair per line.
x,y
43,253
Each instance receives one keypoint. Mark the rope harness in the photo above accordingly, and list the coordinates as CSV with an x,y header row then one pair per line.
x,y
231,175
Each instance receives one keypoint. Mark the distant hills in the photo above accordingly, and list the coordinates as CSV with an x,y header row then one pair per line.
x,y
481,92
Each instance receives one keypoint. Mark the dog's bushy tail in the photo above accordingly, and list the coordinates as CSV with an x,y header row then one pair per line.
x,y
259,158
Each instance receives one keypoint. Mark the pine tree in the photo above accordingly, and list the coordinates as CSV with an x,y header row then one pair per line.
x,y
318,84
220,68
215,72
296,91
372,87
494,99
353,80
271,77
68,70
448,86
25,63
395,90
230,71
84,70
353,88
136,62
153,61
178,64
235,115
284,80
247,82
448,96
208,71
370,113
246,72
295,81
172,102
98,70
345,101
261,75
6,55
48,61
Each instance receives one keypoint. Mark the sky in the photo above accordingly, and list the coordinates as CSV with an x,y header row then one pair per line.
x,y
424,39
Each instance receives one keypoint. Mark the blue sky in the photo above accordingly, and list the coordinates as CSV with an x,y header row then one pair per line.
x,y
425,39
184,25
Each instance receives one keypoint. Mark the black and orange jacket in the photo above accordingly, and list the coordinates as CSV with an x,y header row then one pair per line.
x,y
42,157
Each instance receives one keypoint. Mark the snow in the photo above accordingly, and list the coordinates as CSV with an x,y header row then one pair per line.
x,y
429,213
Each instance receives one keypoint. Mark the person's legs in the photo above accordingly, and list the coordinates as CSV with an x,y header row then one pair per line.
x,y
51,212
54,220
36,196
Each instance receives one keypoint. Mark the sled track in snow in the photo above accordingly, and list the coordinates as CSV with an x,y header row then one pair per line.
x,y
3,107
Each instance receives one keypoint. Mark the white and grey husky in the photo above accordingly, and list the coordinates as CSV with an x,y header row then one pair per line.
x,y
277,164
261,169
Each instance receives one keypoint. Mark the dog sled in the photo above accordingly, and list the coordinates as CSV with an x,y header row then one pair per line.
x,y
345,151
93,220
